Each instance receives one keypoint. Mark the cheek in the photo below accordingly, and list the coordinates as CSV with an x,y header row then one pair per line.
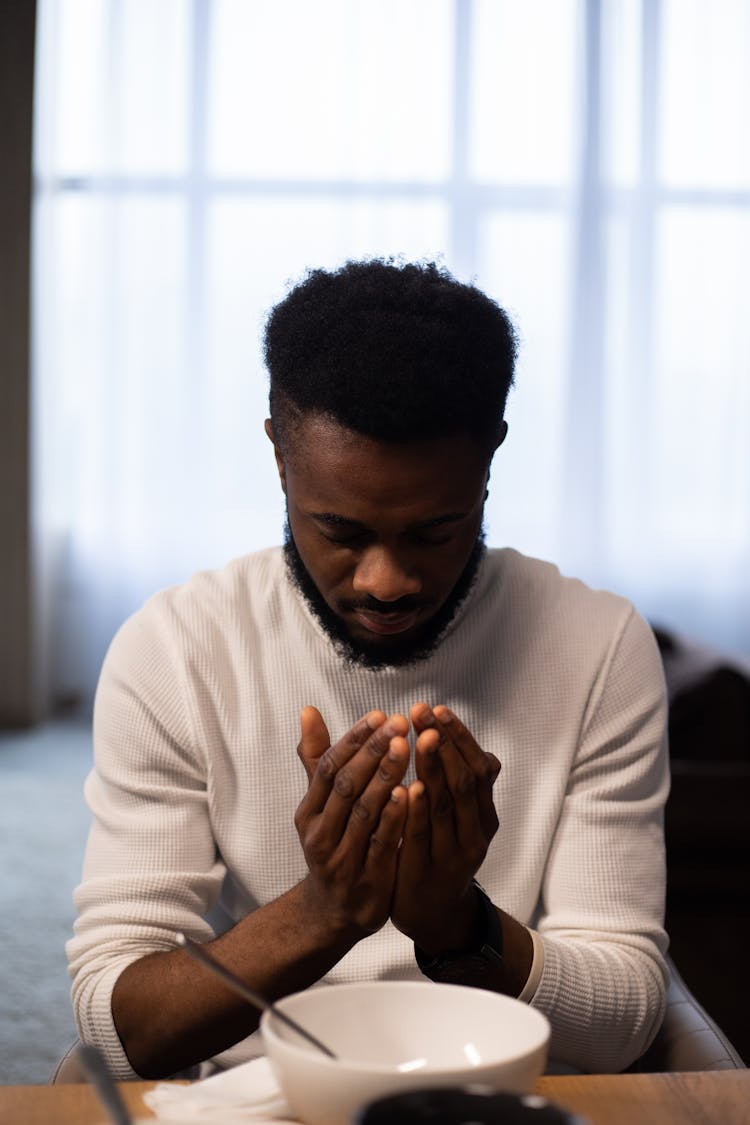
x,y
444,578
445,569
328,569
331,578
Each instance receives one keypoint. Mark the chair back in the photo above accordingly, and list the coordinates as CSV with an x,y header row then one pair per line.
x,y
688,1038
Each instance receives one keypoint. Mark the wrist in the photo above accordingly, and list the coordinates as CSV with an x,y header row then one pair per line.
x,y
482,939
451,930
325,925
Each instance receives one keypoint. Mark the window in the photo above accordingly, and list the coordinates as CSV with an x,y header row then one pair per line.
x,y
587,163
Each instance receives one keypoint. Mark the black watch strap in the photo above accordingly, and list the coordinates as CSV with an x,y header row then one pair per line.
x,y
485,952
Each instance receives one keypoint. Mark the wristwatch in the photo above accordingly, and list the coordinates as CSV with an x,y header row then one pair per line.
x,y
484,953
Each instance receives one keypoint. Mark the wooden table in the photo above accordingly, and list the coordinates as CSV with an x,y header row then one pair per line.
x,y
717,1098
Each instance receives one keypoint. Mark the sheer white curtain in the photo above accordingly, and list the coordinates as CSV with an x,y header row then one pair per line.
x,y
587,163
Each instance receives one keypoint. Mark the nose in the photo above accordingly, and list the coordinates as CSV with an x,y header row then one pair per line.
x,y
383,575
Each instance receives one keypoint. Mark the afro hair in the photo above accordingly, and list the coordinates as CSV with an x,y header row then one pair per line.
x,y
391,351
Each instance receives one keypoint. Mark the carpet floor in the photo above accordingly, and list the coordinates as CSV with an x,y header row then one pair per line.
x,y
43,826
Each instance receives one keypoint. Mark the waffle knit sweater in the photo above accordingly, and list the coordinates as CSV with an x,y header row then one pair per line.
x,y
196,780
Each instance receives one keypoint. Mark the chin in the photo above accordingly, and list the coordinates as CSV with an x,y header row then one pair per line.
x,y
372,651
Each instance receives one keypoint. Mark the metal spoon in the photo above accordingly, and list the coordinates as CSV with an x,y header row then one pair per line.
x,y
98,1074
199,953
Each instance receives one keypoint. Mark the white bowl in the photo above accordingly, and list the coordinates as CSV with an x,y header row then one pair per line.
x,y
391,1036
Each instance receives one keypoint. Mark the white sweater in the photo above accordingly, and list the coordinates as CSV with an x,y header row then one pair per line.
x,y
196,780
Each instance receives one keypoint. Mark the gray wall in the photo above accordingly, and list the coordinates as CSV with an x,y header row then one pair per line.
x,y
17,694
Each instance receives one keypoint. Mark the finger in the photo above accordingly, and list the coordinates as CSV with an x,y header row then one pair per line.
x,y
435,794
486,798
368,808
485,766
487,811
463,740
436,747
344,772
314,739
453,733
415,874
421,716
334,758
383,844
452,788
415,848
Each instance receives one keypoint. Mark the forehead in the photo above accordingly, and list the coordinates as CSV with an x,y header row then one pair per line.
x,y
338,470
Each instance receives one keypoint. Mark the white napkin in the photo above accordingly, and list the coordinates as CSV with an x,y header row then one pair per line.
x,y
245,1093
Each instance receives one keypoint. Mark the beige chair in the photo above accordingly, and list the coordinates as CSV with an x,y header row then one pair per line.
x,y
687,1040
69,1069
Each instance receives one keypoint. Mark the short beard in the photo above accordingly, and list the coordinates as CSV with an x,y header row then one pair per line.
x,y
393,653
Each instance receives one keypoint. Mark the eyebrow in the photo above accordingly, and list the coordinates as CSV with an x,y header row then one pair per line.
x,y
333,519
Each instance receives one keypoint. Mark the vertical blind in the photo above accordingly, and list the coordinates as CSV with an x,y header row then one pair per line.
x,y
586,162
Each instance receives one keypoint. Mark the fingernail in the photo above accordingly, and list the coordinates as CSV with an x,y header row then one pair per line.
x,y
434,743
394,754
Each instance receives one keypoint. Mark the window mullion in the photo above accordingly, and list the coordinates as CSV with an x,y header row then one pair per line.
x,y
640,360
582,509
197,189
463,209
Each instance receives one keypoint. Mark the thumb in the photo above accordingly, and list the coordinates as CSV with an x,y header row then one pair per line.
x,y
314,740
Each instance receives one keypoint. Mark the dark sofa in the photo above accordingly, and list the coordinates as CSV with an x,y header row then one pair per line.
x,y
707,826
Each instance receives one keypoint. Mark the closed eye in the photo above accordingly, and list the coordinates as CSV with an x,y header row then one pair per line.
x,y
344,540
431,540
360,538
347,533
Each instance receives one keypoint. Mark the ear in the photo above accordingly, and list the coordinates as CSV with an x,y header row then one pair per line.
x,y
277,453
501,438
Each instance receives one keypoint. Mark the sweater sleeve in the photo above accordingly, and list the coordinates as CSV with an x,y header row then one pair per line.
x,y
151,866
602,912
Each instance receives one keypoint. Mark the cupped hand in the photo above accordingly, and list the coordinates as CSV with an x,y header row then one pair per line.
x,y
351,820
451,820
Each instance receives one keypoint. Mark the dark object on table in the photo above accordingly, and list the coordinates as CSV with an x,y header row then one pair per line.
x,y
457,1106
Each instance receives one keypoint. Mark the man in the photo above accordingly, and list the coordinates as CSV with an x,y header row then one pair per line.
x,y
405,663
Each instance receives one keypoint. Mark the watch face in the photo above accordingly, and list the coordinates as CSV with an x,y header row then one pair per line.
x,y
456,1106
469,969
463,968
